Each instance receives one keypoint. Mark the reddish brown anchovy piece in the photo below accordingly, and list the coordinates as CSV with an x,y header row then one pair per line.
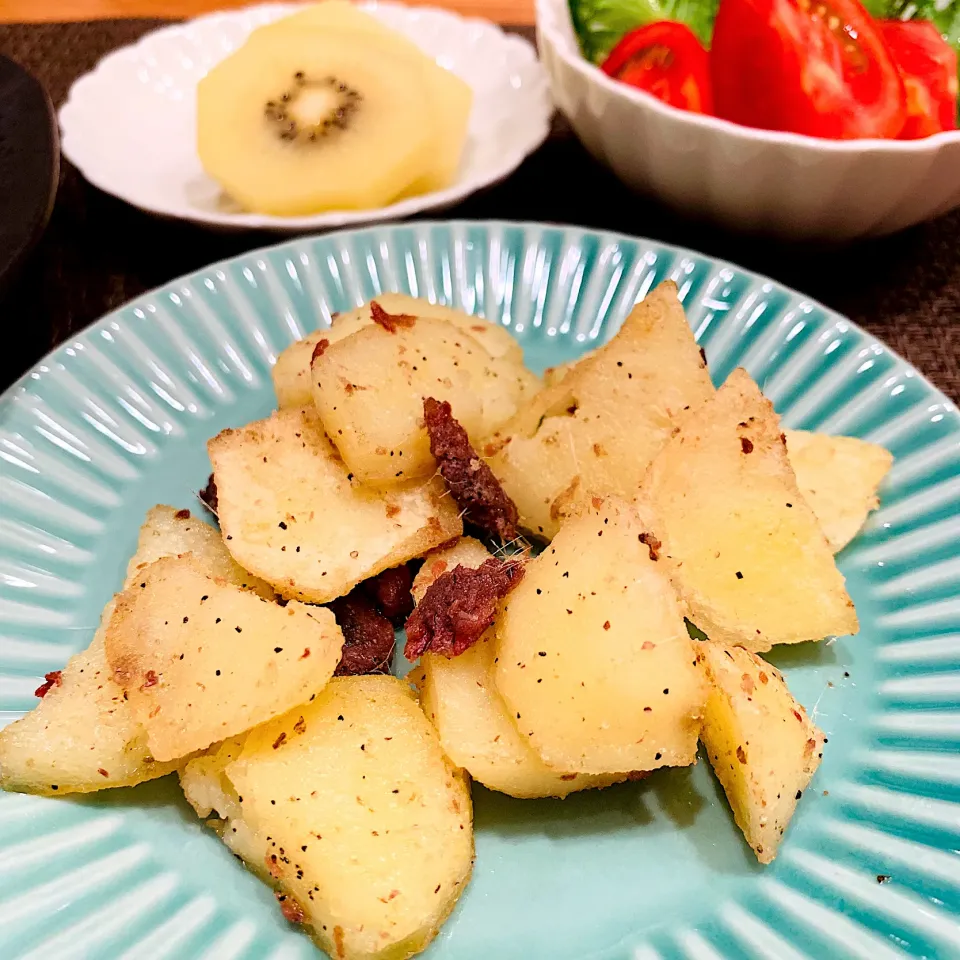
x,y
290,908
391,322
652,543
368,636
475,489
390,592
458,606
319,349
50,680
208,495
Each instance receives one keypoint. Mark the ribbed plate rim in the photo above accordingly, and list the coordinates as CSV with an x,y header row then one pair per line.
x,y
58,353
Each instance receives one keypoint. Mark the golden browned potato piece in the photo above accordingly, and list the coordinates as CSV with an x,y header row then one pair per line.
x,y
460,697
200,659
838,477
596,428
293,383
291,512
495,339
168,532
369,389
593,657
83,736
743,547
292,380
762,745
350,809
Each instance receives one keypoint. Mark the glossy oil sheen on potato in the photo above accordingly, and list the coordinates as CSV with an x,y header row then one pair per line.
x,y
460,696
838,477
762,745
597,427
744,549
594,659
352,811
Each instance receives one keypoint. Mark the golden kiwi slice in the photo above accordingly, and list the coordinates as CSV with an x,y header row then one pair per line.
x,y
451,97
297,122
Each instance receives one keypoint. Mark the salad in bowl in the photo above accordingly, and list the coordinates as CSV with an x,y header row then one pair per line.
x,y
836,69
807,119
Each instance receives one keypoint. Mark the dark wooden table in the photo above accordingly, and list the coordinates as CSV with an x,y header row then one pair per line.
x,y
98,252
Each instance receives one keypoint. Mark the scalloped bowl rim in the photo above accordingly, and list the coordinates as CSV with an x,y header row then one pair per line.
x,y
333,219
547,25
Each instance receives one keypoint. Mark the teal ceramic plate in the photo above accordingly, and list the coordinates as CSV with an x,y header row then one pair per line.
x,y
116,420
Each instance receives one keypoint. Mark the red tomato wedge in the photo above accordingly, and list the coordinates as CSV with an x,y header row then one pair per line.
x,y
928,67
668,61
816,67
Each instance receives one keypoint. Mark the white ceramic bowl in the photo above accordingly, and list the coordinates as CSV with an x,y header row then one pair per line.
x,y
777,183
129,125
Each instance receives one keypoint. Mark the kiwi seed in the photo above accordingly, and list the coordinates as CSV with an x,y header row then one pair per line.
x,y
277,111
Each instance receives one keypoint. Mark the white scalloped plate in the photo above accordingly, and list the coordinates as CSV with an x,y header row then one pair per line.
x,y
116,420
129,125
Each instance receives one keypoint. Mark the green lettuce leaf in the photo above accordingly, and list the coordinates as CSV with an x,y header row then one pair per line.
x,y
948,23
880,9
698,15
945,15
600,24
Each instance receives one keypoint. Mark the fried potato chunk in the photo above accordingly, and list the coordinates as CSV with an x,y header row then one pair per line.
x,y
762,745
369,389
83,736
593,657
743,547
495,339
199,659
602,420
293,383
460,697
838,477
350,809
291,512
168,533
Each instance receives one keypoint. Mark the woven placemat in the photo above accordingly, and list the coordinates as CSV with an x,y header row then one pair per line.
x,y
98,252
